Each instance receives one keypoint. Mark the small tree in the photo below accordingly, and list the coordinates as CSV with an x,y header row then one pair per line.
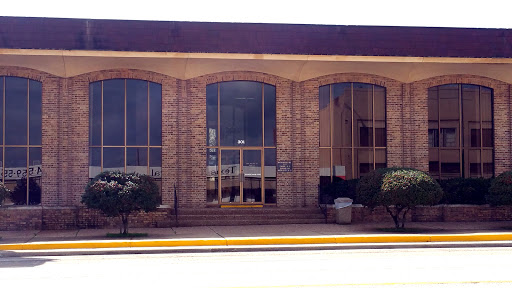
x,y
118,194
398,190
4,193
500,192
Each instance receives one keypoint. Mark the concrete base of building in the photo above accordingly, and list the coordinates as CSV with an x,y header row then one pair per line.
x,y
64,218
438,213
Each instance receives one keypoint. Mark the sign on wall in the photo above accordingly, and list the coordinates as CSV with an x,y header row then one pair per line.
x,y
284,166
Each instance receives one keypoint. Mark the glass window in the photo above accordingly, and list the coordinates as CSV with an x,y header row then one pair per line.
x,y
125,127
460,131
21,120
241,141
352,130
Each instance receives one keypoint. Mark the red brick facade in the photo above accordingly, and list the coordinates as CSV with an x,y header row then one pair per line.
x,y
65,144
440,213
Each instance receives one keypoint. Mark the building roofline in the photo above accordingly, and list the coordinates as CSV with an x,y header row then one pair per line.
x,y
33,33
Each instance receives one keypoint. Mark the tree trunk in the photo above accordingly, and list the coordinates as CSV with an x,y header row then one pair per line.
x,y
403,217
124,219
396,215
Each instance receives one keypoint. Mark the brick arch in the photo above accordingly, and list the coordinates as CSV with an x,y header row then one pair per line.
x,y
25,73
78,126
460,79
395,112
241,76
192,147
356,77
502,111
51,99
125,74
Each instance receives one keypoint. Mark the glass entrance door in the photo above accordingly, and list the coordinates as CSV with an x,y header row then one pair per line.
x,y
230,176
241,183
251,171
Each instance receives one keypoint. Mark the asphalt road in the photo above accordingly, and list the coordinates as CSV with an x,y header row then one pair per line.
x,y
432,267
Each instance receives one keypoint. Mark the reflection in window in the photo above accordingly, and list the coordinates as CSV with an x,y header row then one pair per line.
x,y
462,117
352,130
125,127
20,138
241,142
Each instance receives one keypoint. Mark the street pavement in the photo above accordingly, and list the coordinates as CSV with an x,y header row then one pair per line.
x,y
276,237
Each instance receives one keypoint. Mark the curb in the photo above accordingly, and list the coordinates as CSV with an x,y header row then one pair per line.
x,y
261,241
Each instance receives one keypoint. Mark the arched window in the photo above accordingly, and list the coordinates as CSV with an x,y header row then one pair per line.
x,y
125,127
460,131
20,136
352,130
241,139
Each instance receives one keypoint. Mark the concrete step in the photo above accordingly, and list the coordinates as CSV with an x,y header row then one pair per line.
x,y
249,216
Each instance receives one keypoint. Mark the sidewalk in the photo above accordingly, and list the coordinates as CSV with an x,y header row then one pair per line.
x,y
224,236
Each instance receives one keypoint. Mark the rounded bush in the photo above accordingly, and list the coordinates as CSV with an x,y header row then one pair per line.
x,y
368,188
115,193
398,190
409,188
500,192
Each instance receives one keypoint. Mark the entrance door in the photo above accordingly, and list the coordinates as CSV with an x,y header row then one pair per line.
x,y
241,183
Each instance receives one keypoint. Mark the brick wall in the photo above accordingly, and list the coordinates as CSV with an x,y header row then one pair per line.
x,y
20,218
66,129
502,117
76,148
162,218
439,213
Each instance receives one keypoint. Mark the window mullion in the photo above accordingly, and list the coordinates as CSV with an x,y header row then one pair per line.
x,y
3,131
28,139
101,129
461,137
331,128
149,125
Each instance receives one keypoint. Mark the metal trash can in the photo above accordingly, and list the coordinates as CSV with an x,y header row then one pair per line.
x,y
343,208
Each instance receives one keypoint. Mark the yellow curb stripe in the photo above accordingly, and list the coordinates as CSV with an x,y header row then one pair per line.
x,y
115,244
180,243
382,239
471,237
261,241
280,241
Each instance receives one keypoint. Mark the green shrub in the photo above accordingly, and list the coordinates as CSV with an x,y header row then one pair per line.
x,y
500,192
118,194
368,188
338,188
465,190
4,193
19,194
398,190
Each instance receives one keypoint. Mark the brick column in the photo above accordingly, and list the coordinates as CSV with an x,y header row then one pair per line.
x,y
170,123
54,90
286,141
310,152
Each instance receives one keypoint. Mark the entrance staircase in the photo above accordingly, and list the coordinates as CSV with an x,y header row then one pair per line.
x,y
249,216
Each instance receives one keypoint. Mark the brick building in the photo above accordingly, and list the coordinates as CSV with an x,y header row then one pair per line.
x,y
240,115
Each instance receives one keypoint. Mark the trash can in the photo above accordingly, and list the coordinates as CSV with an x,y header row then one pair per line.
x,y
343,208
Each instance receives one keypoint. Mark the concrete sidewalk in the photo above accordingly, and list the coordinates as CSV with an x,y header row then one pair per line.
x,y
257,235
